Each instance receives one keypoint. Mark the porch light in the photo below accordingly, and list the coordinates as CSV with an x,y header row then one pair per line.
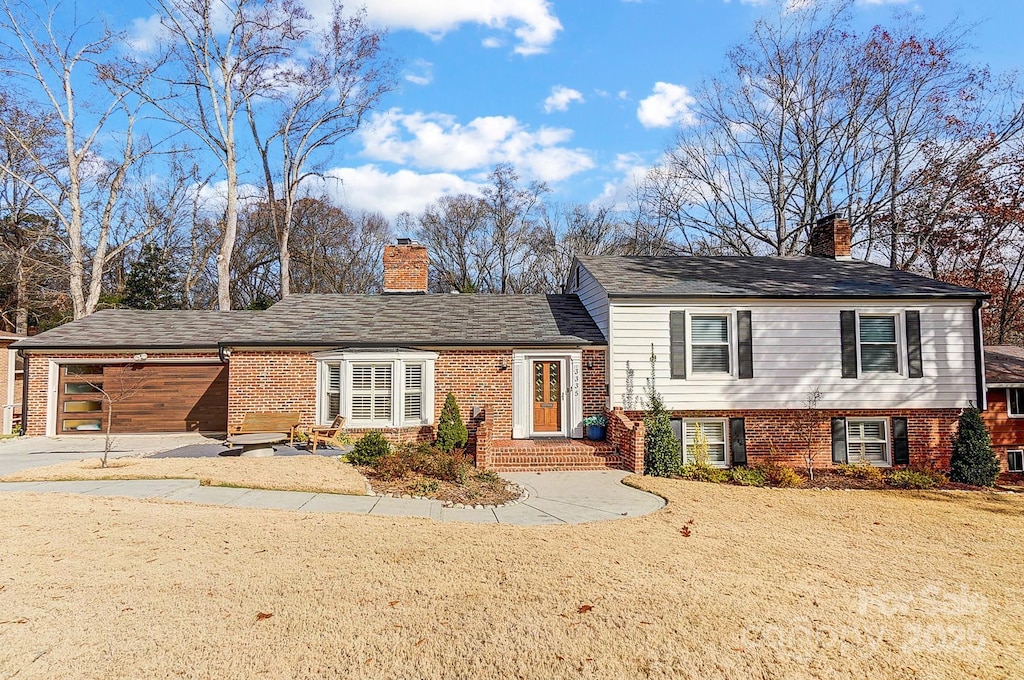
x,y
503,365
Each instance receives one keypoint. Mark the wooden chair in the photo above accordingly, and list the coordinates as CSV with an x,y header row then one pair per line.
x,y
254,423
328,434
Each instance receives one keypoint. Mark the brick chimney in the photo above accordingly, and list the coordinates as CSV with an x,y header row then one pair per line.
x,y
405,267
830,238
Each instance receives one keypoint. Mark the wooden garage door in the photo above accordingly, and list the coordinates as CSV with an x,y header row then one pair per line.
x,y
146,397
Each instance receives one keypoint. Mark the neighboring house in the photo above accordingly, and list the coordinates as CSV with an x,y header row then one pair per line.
x,y
739,343
1004,372
742,342
10,384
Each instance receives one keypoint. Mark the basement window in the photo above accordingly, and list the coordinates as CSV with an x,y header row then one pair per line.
x,y
1015,460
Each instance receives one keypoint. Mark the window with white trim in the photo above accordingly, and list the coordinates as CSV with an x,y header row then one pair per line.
x,y
413,406
714,432
1015,460
879,349
1015,401
371,393
710,349
867,441
376,388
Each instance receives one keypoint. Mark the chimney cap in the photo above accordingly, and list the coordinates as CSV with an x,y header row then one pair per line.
x,y
404,241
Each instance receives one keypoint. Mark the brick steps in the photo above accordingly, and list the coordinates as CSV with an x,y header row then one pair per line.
x,y
532,455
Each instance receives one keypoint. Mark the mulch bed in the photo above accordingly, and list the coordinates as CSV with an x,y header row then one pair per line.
x,y
827,479
479,489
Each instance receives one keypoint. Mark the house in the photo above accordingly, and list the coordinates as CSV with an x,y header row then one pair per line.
x,y
10,384
738,344
743,344
1004,373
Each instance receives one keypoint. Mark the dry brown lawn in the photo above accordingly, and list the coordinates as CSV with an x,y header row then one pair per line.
x,y
319,474
768,584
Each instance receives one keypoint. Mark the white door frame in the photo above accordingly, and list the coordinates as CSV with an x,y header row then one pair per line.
x,y
571,362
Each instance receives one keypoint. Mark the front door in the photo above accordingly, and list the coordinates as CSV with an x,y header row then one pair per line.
x,y
547,396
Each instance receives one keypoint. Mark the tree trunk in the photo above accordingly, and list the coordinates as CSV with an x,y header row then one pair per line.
x,y
227,245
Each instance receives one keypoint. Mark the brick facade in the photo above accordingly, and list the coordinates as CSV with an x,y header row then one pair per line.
x,y
405,268
774,435
272,381
1007,433
830,237
38,368
627,436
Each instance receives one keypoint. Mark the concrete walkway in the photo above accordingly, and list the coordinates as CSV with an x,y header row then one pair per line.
x,y
554,497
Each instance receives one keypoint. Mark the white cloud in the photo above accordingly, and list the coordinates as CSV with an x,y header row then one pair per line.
x,y
618,193
145,34
423,73
492,42
436,141
560,98
371,189
532,22
668,105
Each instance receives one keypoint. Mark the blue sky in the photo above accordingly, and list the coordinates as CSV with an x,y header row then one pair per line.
x,y
581,94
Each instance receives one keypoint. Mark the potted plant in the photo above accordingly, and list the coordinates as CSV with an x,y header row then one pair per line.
x,y
595,427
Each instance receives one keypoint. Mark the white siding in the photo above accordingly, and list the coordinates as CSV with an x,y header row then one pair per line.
x,y
797,347
593,297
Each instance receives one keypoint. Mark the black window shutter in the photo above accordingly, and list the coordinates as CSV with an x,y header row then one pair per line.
x,y
839,440
848,330
738,440
900,442
677,342
677,432
913,320
746,344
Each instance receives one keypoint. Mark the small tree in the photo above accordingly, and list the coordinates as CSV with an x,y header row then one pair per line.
x,y
973,461
119,384
661,450
451,431
806,424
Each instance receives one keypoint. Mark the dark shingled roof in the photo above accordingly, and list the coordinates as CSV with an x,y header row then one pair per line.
x,y
131,329
760,277
438,320
1004,365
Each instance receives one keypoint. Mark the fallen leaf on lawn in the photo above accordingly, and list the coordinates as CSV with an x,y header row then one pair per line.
x,y
262,616
584,609
560,658
420,641
647,623
685,531
393,603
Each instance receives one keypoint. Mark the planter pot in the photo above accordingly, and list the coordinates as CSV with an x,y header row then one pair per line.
x,y
596,433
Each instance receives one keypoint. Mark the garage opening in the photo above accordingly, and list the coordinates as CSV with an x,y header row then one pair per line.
x,y
145,398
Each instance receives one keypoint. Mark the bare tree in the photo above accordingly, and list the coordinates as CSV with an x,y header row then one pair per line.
x,y
806,422
119,384
318,101
511,213
455,232
84,189
215,57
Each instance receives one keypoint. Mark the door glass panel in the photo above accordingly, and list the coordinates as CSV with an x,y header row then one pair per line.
x,y
553,382
82,406
538,381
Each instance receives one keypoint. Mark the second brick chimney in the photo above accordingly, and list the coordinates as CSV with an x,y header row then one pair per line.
x,y
405,267
830,238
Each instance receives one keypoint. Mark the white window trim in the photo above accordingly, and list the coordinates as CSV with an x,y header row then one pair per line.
x,y
730,316
725,435
850,458
398,359
901,347
1009,403
1008,452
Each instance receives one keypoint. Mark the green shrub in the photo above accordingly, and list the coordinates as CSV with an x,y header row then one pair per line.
x,y
450,466
425,487
451,431
937,476
744,476
910,479
859,471
973,461
369,449
661,449
776,474
696,471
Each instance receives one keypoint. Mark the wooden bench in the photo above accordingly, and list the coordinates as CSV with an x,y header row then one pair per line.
x,y
254,423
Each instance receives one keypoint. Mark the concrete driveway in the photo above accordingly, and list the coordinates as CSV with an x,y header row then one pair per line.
x,y
553,497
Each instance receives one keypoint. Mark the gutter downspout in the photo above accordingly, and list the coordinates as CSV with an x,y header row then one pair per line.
x,y
979,357
24,392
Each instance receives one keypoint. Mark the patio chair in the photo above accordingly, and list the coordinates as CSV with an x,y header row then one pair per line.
x,y
329,434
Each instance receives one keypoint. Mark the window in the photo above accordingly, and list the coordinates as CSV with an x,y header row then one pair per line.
x,y
867,441
413,392
878,348
371,393
1015,461
709,344
376,388
1015,400
714,432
